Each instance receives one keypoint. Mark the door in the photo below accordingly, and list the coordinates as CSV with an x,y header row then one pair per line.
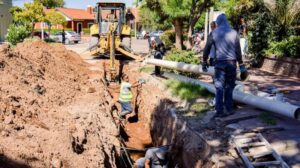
x,y
79,28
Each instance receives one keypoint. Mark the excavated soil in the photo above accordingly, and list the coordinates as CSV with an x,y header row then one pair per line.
x,y
53,110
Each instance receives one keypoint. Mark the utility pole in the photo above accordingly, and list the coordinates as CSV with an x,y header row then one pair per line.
x,y
206,26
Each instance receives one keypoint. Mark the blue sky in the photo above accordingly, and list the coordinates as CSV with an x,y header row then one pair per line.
x,y
81,4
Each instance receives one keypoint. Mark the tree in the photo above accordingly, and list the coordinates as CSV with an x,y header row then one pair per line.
x,y
285,13
177,10
54,18
52,3
30,14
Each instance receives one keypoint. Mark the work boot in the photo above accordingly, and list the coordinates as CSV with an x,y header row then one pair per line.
x,y
124,113
219,115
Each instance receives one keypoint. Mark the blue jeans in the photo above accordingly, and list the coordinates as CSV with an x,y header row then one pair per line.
x,y
126,106
225,76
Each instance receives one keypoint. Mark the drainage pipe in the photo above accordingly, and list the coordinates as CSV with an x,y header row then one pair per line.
x,y
185,67
180,66
278,107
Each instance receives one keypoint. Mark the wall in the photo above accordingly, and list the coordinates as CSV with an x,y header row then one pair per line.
x,y
284,66
5,18
189,149
85,24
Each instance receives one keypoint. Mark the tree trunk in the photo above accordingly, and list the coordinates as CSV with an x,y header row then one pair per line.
x,y
190,35
32,30
178,32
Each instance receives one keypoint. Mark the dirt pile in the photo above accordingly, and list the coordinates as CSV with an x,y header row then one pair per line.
x,y
52,110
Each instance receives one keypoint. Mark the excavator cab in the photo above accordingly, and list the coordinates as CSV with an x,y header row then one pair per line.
x,y
110,34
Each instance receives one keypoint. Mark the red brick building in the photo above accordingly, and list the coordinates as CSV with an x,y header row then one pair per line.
x,y
77,19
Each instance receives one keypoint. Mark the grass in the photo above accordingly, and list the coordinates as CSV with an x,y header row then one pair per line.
x,y
147,69
187,91
200,107
267,119
197,110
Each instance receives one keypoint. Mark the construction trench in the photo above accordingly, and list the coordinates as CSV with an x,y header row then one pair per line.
x,y
58,111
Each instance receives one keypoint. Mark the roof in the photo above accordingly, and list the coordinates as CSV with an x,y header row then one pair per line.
x,y
112,1
76,14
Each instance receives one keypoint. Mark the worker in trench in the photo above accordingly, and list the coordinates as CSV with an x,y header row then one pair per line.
x,y
126,95
228,53
158,50
154,158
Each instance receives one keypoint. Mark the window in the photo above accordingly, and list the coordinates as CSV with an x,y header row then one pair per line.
x,y
90,25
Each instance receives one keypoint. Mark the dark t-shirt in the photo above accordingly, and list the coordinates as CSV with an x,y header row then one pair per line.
x,y
154,160
242,29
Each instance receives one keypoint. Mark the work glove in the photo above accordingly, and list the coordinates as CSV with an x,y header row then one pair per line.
x,y
141,81
244,73
205,66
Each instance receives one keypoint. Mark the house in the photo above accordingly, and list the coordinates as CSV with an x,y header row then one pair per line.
x,y
77,19
5,17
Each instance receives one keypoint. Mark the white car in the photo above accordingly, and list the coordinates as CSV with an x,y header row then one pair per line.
x,y
71,37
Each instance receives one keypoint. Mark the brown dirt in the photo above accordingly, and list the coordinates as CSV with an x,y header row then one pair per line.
x,y
52,110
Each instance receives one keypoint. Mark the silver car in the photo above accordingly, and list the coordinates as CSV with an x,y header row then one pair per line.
x,y
71,37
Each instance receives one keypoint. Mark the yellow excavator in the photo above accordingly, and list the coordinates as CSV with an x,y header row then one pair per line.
x,y
110,34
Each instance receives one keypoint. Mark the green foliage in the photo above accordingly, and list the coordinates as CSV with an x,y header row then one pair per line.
x,y
261,33
168,38
287,47
147,69
285,13
267,118
52,3
31,13
182,56
86,30
200,107
14,10
55,18
201,22
187,91
152,19
176,8
17,33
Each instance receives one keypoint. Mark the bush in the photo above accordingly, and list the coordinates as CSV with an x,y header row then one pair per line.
x,y
17,33
168,38
288,47
183,56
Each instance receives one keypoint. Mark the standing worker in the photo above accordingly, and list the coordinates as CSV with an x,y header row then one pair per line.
x,y
228,53
243,30
126,95
158,50
63,37
212,53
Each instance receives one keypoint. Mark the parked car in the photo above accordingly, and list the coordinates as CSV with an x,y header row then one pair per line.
x,y
156,33
71,37
39,34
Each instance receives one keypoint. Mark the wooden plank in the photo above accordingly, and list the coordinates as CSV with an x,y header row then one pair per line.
x,y
234,119
254,144
263,154
264,129
271,163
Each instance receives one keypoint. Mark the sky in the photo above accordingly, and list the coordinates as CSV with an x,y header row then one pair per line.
x,y
80,4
